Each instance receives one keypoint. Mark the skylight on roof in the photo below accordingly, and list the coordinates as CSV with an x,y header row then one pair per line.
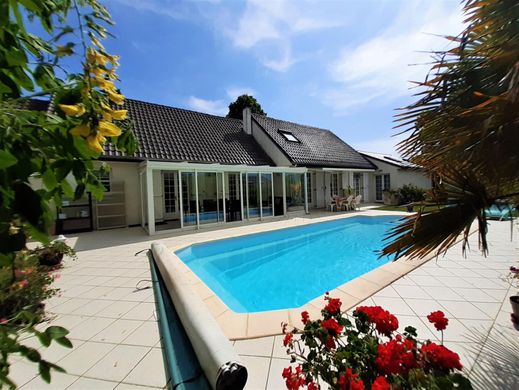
x,y
288,136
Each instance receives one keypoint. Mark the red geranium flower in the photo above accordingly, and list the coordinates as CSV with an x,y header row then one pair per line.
x,y
438,319
385,322
293,379
333,306
305,317
438,356
396,356
332,326
313,386
380,384
350,381
288,339
330,343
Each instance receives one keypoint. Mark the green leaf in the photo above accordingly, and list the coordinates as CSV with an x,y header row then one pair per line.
x,y
44,370
32,354
44,338
7,159
56,332
49,179
64,342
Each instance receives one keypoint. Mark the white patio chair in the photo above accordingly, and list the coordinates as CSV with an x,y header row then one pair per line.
x,y
356,202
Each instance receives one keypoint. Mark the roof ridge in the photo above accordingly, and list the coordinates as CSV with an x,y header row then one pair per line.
x,y
185,109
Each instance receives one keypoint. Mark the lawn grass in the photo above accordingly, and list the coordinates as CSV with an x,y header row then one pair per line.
x,y
404,208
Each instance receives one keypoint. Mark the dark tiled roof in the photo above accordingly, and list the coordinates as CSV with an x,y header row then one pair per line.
x,y
317,147
173,134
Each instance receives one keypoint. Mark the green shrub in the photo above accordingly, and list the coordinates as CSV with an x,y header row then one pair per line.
x,y
410,193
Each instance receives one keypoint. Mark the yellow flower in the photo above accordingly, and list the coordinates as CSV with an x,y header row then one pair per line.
x,y
95,142
93,56
110,114
107,116
115,97
104,84
83,130
73,110
119,115
97,71
96,42
108,129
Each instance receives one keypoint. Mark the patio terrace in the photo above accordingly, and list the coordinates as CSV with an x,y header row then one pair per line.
x,y
117,344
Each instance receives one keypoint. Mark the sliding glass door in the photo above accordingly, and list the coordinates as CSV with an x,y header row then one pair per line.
x,y
188,198
210,199
266,195
294,187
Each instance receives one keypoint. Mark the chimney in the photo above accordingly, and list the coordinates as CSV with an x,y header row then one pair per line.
x,y
247,121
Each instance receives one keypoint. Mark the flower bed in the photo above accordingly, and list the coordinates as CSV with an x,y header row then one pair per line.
x,y
366,351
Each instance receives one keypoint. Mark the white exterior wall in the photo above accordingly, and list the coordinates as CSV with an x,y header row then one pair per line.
x,y
398,177
128,172
269,146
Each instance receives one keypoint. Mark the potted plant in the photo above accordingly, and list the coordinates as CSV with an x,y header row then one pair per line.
x,y
391,197
514,299
52,253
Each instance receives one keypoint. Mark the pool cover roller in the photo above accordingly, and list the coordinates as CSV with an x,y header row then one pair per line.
x,y
215,353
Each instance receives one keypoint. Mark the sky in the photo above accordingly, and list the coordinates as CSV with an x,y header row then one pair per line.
x,y
341,65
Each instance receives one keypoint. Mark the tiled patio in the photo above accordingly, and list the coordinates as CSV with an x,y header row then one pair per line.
x,y
116,339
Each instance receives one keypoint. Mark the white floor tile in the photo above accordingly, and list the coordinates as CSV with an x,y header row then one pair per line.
x,y
84,383
255,347
146,334
85,356
117,331
118,363
149,371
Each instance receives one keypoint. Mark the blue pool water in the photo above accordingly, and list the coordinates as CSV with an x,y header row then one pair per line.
x,y
287,268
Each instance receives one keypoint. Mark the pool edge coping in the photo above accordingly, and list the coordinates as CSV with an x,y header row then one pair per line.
x,y
242,326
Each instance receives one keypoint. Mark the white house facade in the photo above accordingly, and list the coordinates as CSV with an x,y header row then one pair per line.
x,y
193,169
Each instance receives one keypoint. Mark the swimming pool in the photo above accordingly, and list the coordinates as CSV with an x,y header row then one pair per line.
x,y
286,268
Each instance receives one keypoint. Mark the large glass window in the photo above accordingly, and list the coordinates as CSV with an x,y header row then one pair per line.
x,y
295,196
253,195
189,198
357,183
233,200
266,194
334,187
387,182
210,205
170,192
244,195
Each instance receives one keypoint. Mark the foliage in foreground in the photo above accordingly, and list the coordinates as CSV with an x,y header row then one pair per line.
x,y
366,351
464,130
48,146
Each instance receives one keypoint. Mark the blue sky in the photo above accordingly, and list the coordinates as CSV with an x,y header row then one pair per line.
x,y
341,65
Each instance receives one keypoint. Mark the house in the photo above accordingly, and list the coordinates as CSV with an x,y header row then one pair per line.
x,y
193,169
392,173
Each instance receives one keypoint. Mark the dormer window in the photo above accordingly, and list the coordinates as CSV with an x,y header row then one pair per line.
x,y
288,136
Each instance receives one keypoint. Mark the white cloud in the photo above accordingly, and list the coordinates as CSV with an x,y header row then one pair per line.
x,y
234,92
385,145
270,26
382,67
214,107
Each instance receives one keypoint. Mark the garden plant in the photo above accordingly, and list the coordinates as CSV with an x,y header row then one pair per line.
x,y
368,350
49,50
